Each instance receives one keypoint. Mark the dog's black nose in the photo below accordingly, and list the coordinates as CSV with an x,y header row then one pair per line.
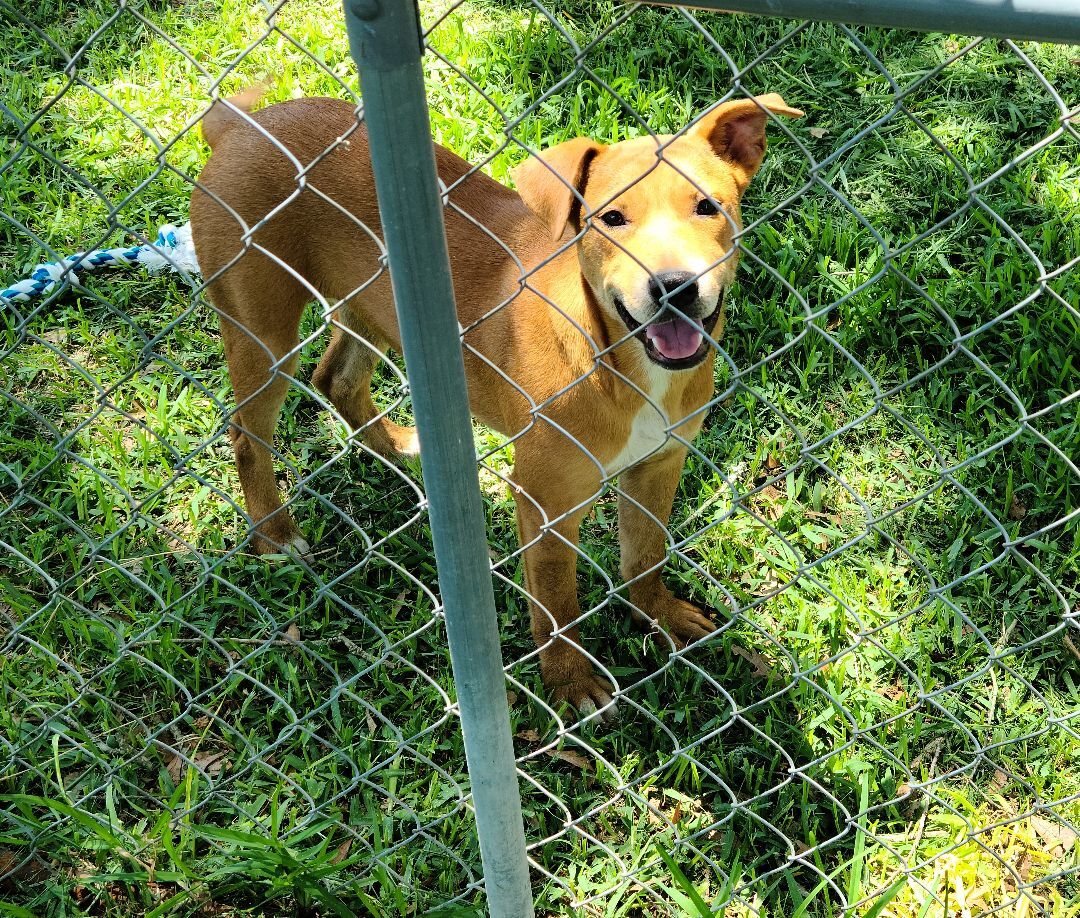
x,y
670,283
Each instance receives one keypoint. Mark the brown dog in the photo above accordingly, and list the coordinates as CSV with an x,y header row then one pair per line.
x,y
589,299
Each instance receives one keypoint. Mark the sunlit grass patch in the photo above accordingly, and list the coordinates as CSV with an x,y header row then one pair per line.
x,y
973,863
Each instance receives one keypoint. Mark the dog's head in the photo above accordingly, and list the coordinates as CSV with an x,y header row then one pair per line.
x,y
660,215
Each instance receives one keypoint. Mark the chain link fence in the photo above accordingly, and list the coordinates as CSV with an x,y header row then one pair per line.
x,y
880,510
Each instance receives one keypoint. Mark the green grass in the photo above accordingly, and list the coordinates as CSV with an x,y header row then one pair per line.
x,y
189,730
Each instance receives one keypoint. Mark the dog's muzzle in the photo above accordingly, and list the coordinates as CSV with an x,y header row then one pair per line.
x,y
673,340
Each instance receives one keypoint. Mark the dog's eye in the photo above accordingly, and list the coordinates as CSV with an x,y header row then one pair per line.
x,y
707,207
613,218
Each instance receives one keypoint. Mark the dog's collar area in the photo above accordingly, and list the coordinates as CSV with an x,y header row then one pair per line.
x,y
642,333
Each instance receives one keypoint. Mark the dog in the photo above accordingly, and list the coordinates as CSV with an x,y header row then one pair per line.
x,y
591,299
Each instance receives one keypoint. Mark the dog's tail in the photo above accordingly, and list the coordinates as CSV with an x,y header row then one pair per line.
x,y
223,116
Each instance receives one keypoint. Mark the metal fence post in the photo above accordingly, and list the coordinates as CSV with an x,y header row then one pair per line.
x,y
386,43
1038,20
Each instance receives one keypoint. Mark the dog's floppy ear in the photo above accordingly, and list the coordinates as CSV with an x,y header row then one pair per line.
x,y
547,183
736,130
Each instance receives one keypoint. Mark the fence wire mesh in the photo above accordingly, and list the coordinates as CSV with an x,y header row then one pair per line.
x,y
880,509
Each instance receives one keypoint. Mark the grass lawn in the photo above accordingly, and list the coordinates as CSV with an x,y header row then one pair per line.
x,y
883,506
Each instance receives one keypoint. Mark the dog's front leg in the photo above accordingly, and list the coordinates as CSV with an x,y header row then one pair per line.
x,y
551,503
646,493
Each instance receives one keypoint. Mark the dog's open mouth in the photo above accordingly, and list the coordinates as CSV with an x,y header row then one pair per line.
x,y
672,340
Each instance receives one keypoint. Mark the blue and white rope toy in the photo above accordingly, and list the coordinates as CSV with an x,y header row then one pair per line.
x,y
172,249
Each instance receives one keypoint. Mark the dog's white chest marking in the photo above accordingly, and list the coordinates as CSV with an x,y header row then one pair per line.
x,y
650,430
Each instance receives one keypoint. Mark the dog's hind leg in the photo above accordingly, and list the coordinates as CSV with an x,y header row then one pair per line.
x,y
344,377
262,359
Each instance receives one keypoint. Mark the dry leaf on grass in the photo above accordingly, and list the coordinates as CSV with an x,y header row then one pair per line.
x,y
1059,838
760,583
210,763
175,767
772,500
342,851
568,755
1023,867
16,868
894,691
762,669
58,337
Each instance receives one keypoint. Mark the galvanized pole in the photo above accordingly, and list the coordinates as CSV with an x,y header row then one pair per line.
x,y
1039,20
386,42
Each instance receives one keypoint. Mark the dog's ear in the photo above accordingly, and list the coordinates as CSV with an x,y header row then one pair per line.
x,y
736,130
552,183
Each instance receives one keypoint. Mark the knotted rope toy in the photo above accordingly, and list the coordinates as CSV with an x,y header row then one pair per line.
x,y
172,249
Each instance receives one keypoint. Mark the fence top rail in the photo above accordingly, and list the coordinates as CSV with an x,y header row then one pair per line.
x,y
1036,20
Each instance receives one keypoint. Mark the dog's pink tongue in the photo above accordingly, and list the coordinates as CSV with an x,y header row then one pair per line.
x,y
674,339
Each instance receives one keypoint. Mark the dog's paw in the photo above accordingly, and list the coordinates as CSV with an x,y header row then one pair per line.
x,y
294,547
587,694
298,547
408,442
681,621
686,623
392,441
570,679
